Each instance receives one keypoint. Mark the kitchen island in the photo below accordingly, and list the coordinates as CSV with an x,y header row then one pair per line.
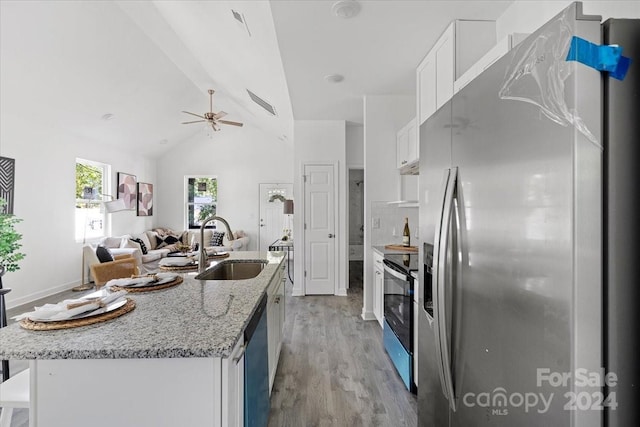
x,y
174,360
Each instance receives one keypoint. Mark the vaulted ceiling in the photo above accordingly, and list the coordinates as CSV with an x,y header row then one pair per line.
x,y
68,64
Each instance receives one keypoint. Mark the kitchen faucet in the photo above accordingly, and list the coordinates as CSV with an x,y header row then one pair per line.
x,y
202,262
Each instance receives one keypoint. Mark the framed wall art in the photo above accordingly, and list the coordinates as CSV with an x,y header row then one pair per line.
x,y
7,178
145,199
127,190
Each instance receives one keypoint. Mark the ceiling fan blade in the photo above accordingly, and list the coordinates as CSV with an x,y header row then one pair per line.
x,y
227,122
196,121
193,114
219,114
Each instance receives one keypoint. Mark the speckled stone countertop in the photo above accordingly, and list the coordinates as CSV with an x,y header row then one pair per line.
x,y
194,319
382,251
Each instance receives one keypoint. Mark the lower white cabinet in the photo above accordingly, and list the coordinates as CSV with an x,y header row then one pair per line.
x,y
378,287
233,387
275,321
416,337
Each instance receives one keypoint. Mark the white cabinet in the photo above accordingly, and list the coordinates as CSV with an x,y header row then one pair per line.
x,y
457,49
495,53
275,321
407,150
416,337
378,287
233,387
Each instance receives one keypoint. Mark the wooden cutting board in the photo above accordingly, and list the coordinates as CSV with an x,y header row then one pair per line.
x,y
402,248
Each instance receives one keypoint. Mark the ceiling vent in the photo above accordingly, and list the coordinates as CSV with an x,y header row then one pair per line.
x,y
261,102
238,16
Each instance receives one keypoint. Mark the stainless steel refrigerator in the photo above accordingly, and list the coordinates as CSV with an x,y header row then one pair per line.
x,y
526,232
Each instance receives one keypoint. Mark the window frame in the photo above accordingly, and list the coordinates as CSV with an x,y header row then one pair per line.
x,y
187,203
81,236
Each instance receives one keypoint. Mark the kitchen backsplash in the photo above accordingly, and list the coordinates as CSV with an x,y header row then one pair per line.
x,y
387,223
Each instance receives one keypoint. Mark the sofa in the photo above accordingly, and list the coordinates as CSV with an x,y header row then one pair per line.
x,y
158,244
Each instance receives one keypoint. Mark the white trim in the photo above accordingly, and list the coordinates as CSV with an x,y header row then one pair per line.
x,y
41,294
336,211
185,205
368,315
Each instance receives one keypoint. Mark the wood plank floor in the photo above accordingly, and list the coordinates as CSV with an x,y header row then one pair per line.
x,y
333,369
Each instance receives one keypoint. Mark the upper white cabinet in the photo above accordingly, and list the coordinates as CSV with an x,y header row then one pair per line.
x,y
495,53
459,47
407,150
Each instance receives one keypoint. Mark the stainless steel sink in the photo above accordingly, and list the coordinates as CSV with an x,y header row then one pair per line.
x,y
232,271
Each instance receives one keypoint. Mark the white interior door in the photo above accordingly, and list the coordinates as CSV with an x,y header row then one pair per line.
x,y
272,218
320,220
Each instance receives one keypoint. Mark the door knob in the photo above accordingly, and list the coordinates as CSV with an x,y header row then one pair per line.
x,y
331,236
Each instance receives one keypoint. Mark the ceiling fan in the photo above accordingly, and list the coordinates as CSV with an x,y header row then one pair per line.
x,y
212,119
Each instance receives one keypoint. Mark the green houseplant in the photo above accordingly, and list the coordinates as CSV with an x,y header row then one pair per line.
x,y
9,243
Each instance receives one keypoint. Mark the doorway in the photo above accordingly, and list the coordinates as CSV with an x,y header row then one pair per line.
x,y
273,221
356,228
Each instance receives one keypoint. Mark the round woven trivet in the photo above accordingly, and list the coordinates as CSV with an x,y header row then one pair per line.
x,y
149,288
75,323
192,267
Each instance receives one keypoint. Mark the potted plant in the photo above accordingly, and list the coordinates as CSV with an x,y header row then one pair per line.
x,y
9,243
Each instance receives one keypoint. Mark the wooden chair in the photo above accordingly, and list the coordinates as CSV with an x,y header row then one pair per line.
x,y
14,391
123,266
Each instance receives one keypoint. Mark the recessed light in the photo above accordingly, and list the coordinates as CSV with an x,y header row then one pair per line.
x,y
108,116
334,78
346,8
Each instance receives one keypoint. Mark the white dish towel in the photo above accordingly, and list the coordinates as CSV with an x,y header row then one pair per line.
x,y
69,308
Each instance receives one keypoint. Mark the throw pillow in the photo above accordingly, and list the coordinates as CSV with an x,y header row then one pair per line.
x,y
165,240
143,247
217,238
103,254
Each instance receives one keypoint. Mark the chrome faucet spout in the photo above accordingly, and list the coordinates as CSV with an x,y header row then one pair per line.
x,y
202,261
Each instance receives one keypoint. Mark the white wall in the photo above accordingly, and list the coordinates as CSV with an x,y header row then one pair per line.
x,y
321,141
384,115
526,16
45,199
241,158
355,145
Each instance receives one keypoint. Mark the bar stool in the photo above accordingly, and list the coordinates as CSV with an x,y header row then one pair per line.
x,y
14,391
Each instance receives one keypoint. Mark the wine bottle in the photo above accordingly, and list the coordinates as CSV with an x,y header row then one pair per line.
x,y
406,235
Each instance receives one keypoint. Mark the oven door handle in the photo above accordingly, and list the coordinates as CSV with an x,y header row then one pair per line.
x,y
395,273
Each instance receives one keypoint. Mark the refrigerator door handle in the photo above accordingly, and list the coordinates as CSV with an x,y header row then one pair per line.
x,y
437,266
442,276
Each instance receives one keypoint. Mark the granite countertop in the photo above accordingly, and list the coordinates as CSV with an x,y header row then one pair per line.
x,y
194,319
382,251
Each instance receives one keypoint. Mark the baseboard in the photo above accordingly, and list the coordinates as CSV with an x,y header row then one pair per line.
x,y
368,315
41,294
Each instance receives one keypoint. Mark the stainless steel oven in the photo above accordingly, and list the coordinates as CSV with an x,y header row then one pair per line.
x,y
398,313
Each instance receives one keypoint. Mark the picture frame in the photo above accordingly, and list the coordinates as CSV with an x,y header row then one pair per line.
x,y
127,190
7,181
145,199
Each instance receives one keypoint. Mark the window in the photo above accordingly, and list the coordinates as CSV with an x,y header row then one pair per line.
x,y
91,185
202,200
